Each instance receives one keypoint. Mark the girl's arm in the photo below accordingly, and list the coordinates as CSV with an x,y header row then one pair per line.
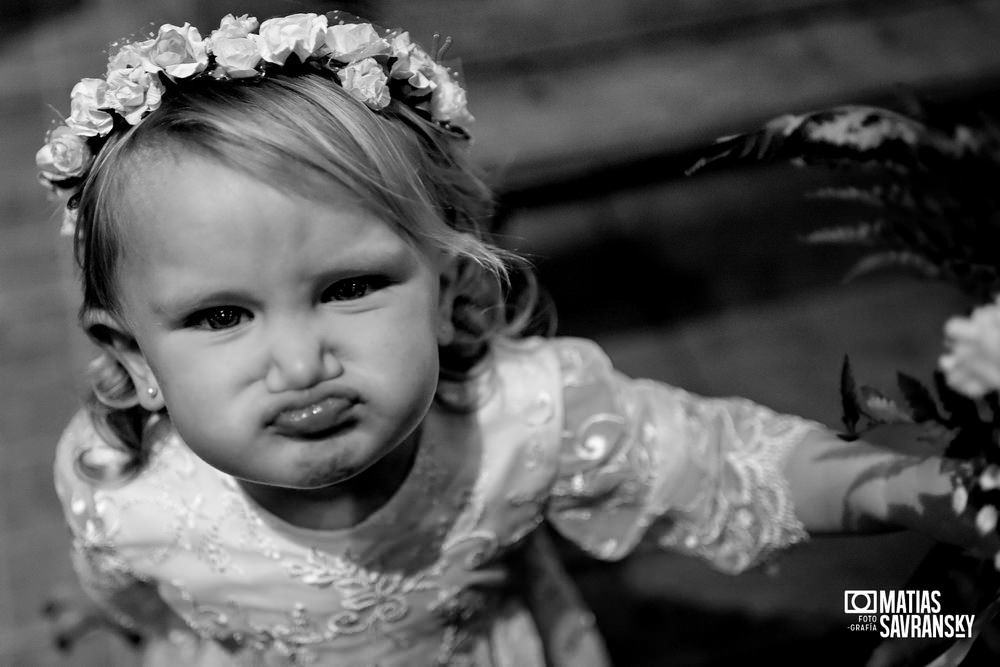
x,y
839,486
726,479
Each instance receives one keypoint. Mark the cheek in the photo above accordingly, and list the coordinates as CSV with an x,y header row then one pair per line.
x,y
193,378
407,349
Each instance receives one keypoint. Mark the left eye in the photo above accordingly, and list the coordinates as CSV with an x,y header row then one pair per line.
x,y
351,289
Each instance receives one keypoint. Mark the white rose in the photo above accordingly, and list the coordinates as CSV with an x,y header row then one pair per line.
x,y
64,155
972,364
87,98
135,54
448,100
301,34
354,41
133,92
179,51
411,63
237,56
232,27
366,81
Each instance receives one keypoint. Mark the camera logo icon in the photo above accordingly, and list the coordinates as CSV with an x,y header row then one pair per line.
x,y
860,602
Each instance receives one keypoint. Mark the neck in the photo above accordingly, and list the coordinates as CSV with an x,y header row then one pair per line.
x,y
345,504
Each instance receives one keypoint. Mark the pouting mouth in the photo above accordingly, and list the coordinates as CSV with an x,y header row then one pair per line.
x,y
322,416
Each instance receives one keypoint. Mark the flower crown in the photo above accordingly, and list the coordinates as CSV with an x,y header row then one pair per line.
x,y
373,67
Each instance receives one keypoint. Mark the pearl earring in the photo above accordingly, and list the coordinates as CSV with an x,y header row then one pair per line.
x,y
152,392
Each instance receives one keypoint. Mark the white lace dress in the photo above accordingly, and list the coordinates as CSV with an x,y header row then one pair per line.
x,y
555,436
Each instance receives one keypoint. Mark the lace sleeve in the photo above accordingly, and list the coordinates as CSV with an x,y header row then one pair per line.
x,y
105,575
640,459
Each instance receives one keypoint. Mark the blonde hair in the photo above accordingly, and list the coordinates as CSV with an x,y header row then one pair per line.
x,y
302,133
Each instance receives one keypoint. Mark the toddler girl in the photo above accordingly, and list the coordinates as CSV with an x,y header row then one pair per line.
x,y
317,433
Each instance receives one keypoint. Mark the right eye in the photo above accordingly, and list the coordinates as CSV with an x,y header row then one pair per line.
x,y
223,317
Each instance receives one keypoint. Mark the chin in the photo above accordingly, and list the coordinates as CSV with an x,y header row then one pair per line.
x,y
324,474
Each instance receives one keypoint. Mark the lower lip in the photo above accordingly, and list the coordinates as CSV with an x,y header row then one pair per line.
x,y
319,419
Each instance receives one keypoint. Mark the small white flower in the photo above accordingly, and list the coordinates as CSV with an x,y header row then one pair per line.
x,y
87,98
959,499
132,93
972,363
986,519
366,81
232,27
448,100
237,57
411,63
64,155
179,51
301,34
135,54
353,41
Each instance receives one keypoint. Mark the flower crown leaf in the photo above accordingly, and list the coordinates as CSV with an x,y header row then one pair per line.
x,y
363,60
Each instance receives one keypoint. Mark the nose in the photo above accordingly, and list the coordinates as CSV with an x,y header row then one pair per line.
x,y
299,357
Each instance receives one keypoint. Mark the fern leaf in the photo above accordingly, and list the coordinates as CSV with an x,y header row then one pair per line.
x,y
859,233
893,259
873,196
766,143
861,128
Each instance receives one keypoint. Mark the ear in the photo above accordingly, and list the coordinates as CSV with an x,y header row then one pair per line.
x,y
117,340
446,300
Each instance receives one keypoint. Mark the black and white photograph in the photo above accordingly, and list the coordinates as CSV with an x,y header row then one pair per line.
x,y
500,333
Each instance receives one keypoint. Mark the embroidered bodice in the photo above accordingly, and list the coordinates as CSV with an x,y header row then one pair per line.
x,y
555,436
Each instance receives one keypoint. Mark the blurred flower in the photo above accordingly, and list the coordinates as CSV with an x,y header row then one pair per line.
x,y
64,155
959,499
986,519
989,479
972,363
412,64
448,100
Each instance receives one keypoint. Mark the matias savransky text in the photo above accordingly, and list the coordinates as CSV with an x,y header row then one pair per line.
x,y
905,613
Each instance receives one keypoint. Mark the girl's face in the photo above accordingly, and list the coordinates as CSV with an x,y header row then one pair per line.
x,y
293,343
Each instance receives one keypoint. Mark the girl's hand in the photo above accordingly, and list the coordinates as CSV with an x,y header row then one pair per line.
x,y
921,496
891,478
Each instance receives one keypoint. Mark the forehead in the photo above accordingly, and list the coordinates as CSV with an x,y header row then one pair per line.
x,y
191,201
